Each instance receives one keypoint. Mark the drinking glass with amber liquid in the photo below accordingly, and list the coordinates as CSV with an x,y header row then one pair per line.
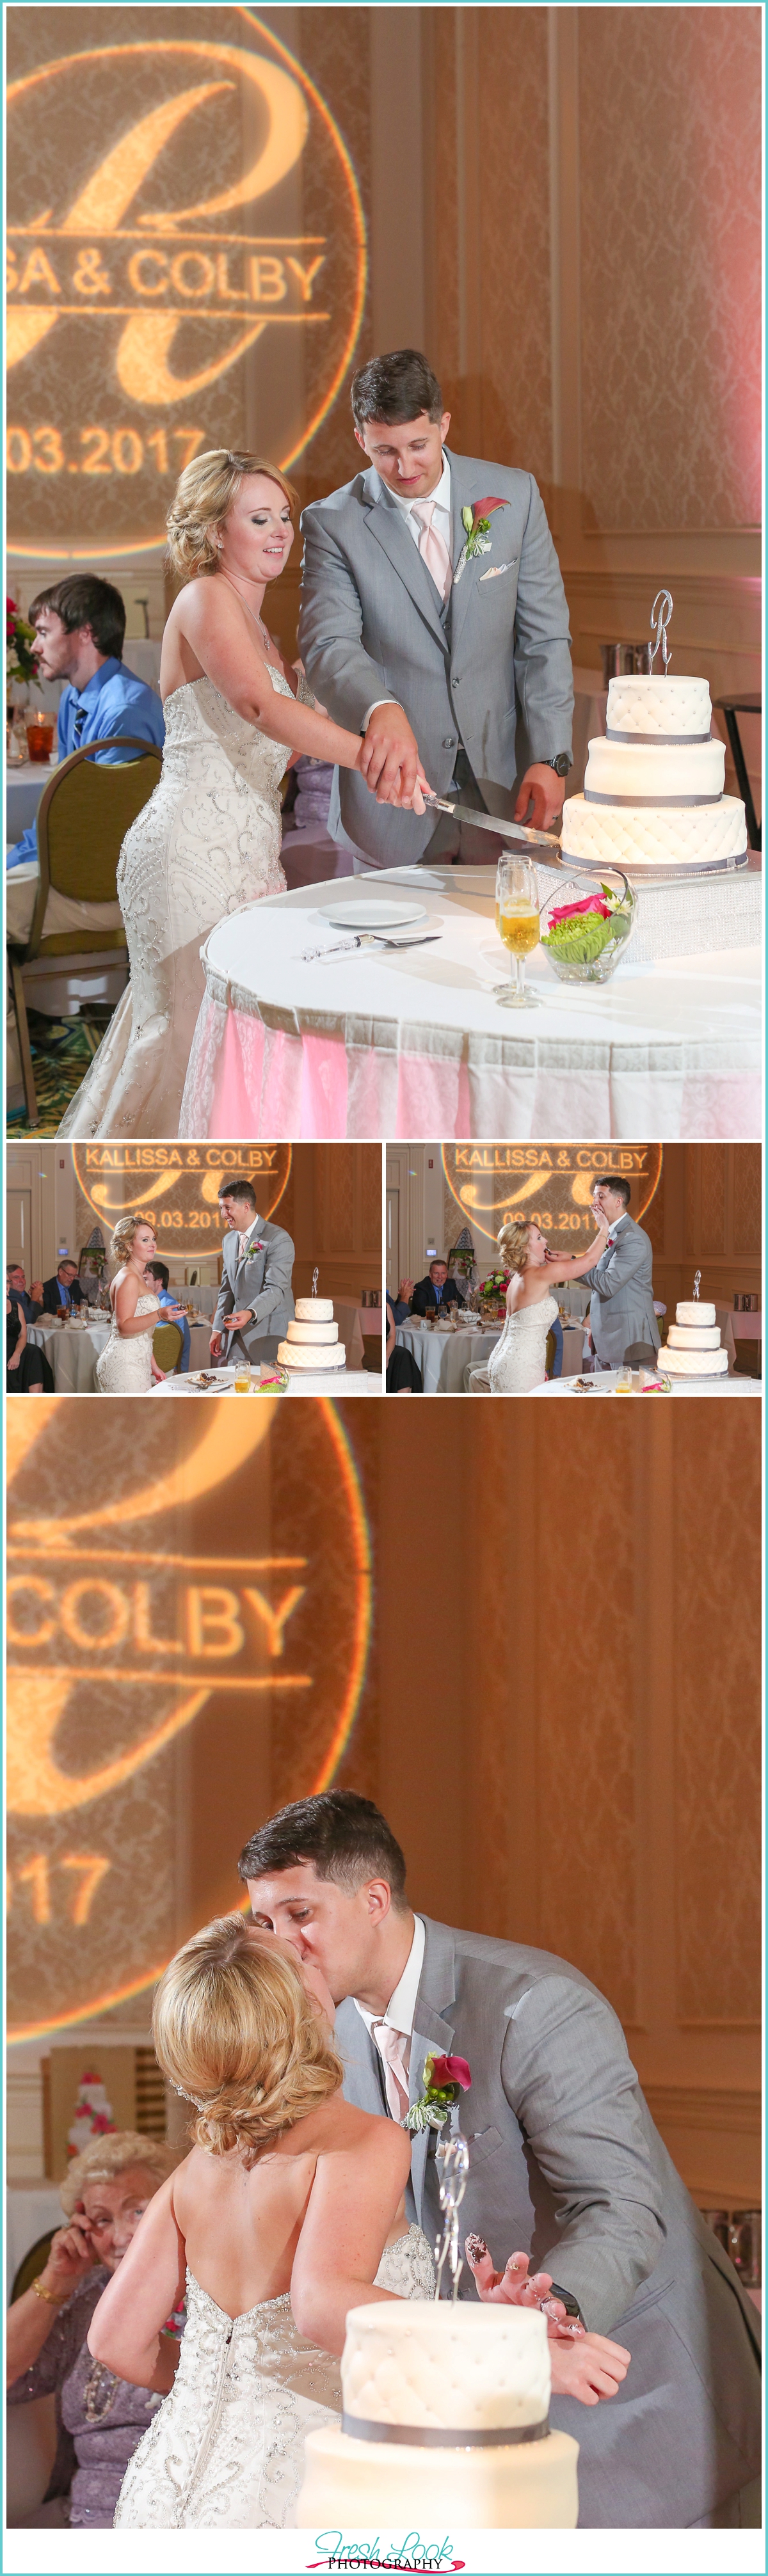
x,y
517,923
242,1378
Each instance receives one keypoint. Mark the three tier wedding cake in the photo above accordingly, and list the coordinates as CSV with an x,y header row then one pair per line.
x,y
692,1347
312,1340
653,786
445,2416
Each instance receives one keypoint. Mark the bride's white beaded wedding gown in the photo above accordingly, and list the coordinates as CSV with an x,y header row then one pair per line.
x,y
226,2449
207,842
125,1364
519,1359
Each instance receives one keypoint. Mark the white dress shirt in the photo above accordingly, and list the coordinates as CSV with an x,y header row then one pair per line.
x,y
401,2009
442,521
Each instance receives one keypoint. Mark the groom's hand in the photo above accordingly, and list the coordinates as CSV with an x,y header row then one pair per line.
x,y
216,1345
540,801
389,754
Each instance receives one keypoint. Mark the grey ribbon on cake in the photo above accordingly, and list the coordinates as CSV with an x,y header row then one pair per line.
x,y
666,741
593,796
428,2437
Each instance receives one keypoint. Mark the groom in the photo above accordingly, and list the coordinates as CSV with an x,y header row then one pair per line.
x,y
463,662
255,1300
564,2161
622,1321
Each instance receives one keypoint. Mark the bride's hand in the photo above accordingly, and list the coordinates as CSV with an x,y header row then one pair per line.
x,y
517,2286
415,801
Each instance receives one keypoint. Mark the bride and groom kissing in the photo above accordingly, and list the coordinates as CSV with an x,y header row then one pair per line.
x,y
434,633
304,2041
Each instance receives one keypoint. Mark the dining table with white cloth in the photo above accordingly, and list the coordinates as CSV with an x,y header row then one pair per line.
x,y
333,1382
605,1384
73,1350
443,1356
369,1043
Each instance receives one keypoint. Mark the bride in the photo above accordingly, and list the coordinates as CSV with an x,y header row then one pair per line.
x,y
127,1366
519,1360
208,841
288,2212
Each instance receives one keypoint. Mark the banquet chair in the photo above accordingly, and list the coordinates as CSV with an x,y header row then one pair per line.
x,y
167,1345
82,819
749,704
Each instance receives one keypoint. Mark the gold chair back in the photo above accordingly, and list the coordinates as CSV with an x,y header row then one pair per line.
x,y
82,820
168,1344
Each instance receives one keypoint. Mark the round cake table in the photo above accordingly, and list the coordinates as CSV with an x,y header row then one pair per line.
x,y
372,1044
605,1384
333,1382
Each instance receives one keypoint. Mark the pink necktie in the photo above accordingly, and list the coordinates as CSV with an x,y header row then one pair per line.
x,y
391,2044
432,547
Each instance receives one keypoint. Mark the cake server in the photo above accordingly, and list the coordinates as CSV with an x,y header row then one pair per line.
x,y
496,823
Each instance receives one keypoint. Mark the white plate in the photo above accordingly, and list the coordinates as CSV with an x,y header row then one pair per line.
x,y
371,916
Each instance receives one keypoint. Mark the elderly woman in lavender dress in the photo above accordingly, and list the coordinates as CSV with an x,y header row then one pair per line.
x,y
100,2418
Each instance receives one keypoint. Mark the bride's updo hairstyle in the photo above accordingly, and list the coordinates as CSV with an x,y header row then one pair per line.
x,y
202,501
235,2032
513,1243
124,1237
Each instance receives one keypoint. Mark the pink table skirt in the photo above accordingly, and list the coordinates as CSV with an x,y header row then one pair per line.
x,y
247,1080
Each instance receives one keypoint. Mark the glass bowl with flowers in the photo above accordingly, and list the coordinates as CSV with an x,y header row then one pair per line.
x,y
586,926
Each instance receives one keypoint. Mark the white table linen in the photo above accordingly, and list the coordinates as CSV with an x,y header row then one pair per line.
x,y
370,1044
443,1357
23,790
73,1350
605,1383
306,1382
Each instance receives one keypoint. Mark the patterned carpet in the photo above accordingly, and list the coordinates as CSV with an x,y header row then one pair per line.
x,y
61,1053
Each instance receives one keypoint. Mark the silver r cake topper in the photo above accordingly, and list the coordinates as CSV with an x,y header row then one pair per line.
x,y
661,613
453,2156
315,1277
697,1283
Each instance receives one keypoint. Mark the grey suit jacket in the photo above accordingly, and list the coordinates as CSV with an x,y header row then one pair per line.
x,y
621,1311
494,671
263,1282
565,2165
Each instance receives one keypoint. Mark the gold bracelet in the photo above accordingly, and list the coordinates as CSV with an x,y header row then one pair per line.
x,y
50,2295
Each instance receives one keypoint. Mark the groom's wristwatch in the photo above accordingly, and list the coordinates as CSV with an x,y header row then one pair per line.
x,y
562,763
570,2304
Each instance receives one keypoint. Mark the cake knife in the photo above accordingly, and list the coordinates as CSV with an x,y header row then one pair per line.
x,y
496,823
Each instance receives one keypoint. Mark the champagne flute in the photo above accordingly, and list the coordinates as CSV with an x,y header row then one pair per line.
x,y
517,923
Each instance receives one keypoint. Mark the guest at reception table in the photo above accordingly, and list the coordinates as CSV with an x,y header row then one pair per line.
x,y
80,631
29,1301
101,2419
27,1371
157,1274
436,1290
403,1373
63,1293
401,1304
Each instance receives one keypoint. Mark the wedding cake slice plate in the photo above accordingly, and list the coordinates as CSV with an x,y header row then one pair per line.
x,y
653,787
693,1347
312,1337
445,2417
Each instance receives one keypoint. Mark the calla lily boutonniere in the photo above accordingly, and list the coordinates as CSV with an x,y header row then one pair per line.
x,y
476,523
444,2079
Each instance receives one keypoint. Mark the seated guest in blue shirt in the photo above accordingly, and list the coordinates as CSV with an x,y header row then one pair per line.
x,y
80,627
63,1294
29,1302
157,1275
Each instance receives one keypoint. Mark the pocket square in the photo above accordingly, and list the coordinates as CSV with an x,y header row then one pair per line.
x,y
494,570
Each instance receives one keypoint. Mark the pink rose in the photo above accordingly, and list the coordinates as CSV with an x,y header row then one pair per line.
x,y
591,903
451,2070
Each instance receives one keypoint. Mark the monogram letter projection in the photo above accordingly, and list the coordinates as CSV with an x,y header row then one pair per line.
x,y
550,1185
186,264
188,1610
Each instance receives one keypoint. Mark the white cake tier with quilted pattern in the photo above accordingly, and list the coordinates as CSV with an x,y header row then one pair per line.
x,y
654,772
680,836
360,2486
312,1355
694,1363
314,1310
301,1331
442,2365
694,1337
695,1310
644,704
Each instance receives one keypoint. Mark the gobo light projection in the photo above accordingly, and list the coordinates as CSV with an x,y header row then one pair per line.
x,y
187,264
550,1185
177,1188
188,1619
